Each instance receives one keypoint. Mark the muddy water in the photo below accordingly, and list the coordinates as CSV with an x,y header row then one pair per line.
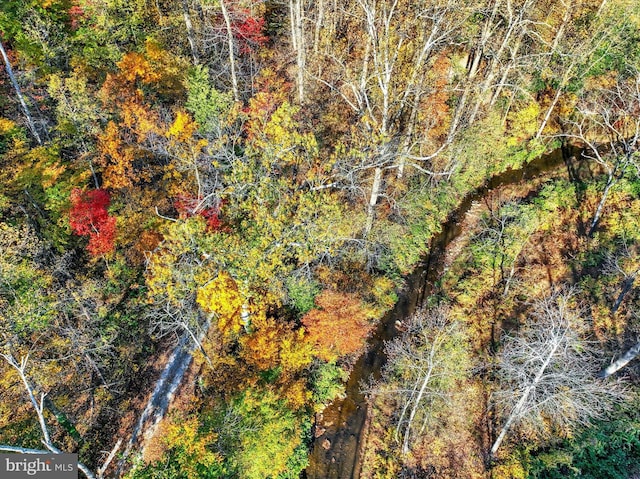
x,y
337,452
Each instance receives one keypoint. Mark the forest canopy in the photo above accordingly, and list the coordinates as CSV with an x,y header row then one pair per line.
x,y
238,234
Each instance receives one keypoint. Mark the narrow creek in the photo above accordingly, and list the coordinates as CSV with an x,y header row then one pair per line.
x,y
337,452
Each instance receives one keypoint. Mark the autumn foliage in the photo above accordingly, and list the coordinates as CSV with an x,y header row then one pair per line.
x,y
89,217
338,326
222,297
277,346
187,205
248,30
75,14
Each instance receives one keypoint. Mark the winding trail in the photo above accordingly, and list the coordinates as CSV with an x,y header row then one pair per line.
x,y
337,452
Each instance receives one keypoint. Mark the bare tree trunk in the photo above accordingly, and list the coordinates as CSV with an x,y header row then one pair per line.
x,y
508,108
594,223
109,458
547,116
16,87
297,41
626,287
507,283
198,343
563,83
190,33
603,4
508,424
475,57
292,23
484,38
373,199
460,108
507,69
318,26
621,362
560,33
232,56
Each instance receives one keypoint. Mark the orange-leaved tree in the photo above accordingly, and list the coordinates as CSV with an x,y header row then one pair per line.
x,y
279,353
339,325
131,146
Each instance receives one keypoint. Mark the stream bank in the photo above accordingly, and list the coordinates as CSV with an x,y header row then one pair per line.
x,y
337,453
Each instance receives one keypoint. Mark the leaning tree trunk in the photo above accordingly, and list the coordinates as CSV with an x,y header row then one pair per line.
x,y
520,406
554,102
621,362
626,287
190,33
16,87
603,199
373,199
297,42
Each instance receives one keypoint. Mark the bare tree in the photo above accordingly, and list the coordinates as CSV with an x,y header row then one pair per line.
x,y
549,373
421,369
39,406
608,124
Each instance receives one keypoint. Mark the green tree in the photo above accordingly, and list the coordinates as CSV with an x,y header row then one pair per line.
x,y
260,434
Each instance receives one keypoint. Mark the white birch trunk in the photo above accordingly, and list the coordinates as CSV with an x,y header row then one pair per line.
x,y
547,116
596,217
300,53
190,34
621,362
230,43
318,27
373,199
520,405
18,91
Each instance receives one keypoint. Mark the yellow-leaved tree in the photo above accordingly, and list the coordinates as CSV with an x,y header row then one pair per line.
x,y
221,297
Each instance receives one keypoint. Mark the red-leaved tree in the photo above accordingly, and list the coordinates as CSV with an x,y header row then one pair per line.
x,y
76,13
248,30
189,206
89,217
